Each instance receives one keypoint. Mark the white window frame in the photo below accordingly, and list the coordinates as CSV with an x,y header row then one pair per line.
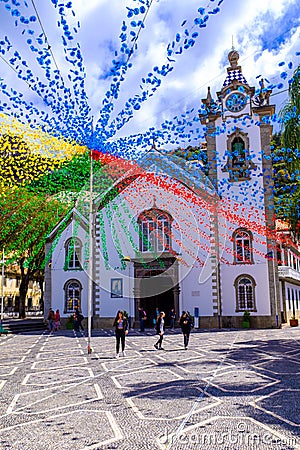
x,y
75,299
245,293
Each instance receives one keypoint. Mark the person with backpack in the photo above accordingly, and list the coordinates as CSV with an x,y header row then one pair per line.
x,y
160,330
185,323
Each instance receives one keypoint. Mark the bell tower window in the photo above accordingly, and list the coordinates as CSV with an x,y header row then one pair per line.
x,y
238,152
242,246
239,164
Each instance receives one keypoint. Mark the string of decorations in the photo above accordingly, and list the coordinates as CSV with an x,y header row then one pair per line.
x,y
58,126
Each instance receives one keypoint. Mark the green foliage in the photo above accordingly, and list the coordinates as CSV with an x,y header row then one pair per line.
x,y
70,322
246,316
286,183
290,115
193,154
286,161
26,220
71,176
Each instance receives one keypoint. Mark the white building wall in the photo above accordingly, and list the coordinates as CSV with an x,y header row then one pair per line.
x,y
260,275
292,291
196,295
60,276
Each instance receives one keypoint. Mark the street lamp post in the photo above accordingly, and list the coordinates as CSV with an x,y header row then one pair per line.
x,y
90,265
127,260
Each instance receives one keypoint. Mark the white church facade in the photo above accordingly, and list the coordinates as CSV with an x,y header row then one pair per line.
x,y
166,236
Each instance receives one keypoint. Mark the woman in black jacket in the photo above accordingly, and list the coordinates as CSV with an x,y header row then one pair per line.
x,y
186,324
121,326
160,330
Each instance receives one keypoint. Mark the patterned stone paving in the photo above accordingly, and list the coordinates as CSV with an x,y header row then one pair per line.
x,y
231,390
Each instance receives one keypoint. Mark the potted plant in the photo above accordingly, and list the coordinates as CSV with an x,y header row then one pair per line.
x,y
246,320
70,322
293,321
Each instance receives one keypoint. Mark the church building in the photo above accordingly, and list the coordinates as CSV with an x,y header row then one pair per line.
x,y
162,234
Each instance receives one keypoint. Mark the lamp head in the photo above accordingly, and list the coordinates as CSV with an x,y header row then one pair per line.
x,y
126,259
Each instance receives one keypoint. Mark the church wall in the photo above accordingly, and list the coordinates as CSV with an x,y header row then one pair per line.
x,y
196,295
119,234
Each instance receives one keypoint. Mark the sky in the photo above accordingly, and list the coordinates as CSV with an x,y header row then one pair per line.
x,y
265,33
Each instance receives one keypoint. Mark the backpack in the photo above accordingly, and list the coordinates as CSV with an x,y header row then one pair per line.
x,y
191,319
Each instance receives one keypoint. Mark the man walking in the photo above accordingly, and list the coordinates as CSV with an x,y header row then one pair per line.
x,y
142,318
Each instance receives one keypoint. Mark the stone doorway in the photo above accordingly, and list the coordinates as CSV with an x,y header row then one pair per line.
x,y
156,288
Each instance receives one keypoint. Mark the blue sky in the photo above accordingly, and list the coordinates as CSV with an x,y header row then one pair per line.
x,y
266,33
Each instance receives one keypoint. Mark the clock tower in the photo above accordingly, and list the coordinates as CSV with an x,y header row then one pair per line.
x,y
238,133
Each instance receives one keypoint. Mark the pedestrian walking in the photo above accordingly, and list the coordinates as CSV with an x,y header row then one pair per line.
x,y
142,318
172,318
50,319
57,320
185,323
78,318
121,328
75,322
160,330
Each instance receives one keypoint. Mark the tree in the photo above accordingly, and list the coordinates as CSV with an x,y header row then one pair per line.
x,y
195,154
71,176
26,220
19,165
290,115
29,183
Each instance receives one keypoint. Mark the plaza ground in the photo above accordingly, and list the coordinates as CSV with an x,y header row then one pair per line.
x,y
230,390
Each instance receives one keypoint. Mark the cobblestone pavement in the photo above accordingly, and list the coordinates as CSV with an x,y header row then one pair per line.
x,y
230,390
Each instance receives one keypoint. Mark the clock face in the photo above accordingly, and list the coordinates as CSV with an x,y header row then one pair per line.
x,y
236,102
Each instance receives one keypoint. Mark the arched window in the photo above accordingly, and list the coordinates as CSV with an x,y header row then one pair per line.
x,y
72,295
245,293
242,246
238,152
155,231
73,248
